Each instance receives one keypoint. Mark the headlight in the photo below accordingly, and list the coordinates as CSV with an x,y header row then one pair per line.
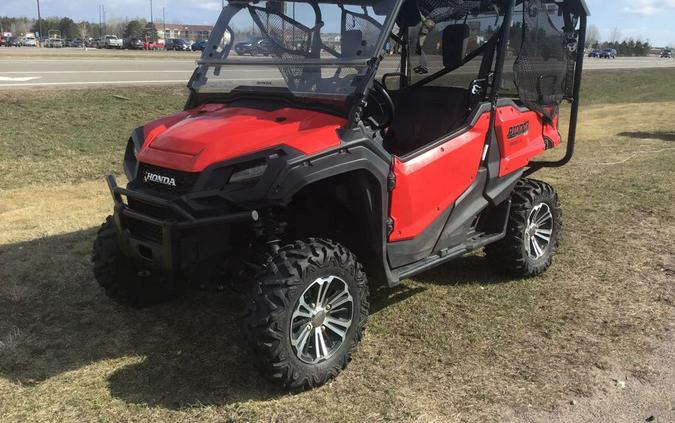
x,y
130,162
248,172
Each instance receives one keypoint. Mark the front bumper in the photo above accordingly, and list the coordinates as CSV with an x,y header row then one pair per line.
x,y
169,243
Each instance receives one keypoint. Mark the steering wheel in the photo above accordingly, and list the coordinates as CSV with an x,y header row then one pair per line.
x,y
379,107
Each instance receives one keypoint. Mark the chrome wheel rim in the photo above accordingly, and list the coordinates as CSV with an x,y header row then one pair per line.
x,y
321,319
538,231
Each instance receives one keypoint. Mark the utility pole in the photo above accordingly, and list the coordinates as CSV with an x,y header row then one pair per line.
x,y
39,22
103,10
152,20
100,21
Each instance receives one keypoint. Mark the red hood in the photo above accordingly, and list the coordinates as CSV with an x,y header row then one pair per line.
x,y
191,141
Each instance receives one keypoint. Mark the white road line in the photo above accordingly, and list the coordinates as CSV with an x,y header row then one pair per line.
x,y
46,84
91,71
122,71
18,78
168,81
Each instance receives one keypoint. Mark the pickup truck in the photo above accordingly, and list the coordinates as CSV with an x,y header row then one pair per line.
x,y
111,41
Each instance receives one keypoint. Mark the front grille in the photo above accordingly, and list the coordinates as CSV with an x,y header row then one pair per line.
x,y
149,209
184,181
146,231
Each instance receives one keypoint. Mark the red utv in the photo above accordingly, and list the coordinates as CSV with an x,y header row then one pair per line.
x,y
296,175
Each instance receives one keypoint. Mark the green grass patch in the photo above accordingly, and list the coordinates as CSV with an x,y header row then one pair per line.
x,y
61,136
628,86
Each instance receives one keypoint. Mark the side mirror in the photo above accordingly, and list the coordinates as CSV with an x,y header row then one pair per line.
x,y
394,81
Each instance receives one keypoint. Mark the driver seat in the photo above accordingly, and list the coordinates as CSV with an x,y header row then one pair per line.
x,y
427,113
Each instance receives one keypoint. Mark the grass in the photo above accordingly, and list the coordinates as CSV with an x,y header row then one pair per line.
x,y
459,343
65,136
628,86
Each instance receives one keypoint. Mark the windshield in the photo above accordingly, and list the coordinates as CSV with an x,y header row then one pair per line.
x,y
310,48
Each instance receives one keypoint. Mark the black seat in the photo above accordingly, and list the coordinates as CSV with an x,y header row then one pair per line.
x,y
426,113
423,115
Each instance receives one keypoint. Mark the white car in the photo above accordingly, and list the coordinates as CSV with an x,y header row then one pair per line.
x,y
29,42
111,41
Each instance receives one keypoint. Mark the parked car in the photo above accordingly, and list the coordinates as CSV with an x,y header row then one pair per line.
x,y
667,54
111,41
594,53
177,44
608,53
13,42
53,43
29,42
74,43
94,43
199,45
254,46
154,44
135,44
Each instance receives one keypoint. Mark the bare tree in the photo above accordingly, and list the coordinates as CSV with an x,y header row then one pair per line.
x,y
592,36
615,35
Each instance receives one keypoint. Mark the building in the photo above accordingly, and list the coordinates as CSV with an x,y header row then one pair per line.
x,y
188,32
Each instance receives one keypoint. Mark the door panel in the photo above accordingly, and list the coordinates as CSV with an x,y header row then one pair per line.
x,y
429,183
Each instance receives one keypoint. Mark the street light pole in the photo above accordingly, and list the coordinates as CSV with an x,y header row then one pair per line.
x,y
152,19
39,21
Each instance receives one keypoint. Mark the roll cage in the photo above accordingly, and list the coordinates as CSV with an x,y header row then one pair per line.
x,y
401,17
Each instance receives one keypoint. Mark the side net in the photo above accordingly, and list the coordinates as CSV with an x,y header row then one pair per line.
x,y
541,68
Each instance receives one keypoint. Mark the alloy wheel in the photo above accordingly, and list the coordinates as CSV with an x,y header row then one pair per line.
x,y
321,319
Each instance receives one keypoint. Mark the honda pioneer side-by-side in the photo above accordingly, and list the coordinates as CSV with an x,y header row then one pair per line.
x,y
375,138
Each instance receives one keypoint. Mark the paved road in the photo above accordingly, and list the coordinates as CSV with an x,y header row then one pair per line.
x,y
28,70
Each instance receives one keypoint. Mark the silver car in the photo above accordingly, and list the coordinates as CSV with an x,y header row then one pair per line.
x,y
53,43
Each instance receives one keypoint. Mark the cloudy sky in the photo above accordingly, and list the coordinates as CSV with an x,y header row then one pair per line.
x,y
652,19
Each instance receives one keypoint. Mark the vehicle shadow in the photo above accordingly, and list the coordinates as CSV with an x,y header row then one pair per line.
x,y
658,135
179,354
176,355
467,270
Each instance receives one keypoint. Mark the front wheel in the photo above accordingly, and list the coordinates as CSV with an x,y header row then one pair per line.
x,y
533,231
123,280
307,313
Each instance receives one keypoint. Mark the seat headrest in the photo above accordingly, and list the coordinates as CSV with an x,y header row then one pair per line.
x,y
351,43
455,41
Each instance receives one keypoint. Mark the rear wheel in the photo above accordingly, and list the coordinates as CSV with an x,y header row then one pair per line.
x,y
123,280
533,231
307,313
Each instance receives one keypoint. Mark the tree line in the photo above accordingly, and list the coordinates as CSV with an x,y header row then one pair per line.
x,y
625,47
70,29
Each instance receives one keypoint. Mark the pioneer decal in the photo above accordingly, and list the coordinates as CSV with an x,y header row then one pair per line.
x,y
518,130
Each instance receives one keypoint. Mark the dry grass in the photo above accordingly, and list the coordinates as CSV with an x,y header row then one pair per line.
x,y
459,343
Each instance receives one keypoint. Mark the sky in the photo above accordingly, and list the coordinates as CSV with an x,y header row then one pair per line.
x,y
646,19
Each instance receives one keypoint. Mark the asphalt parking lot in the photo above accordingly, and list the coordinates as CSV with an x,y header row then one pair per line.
x,y
73,68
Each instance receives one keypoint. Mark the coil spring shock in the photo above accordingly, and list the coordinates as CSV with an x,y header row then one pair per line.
x,y
269,229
